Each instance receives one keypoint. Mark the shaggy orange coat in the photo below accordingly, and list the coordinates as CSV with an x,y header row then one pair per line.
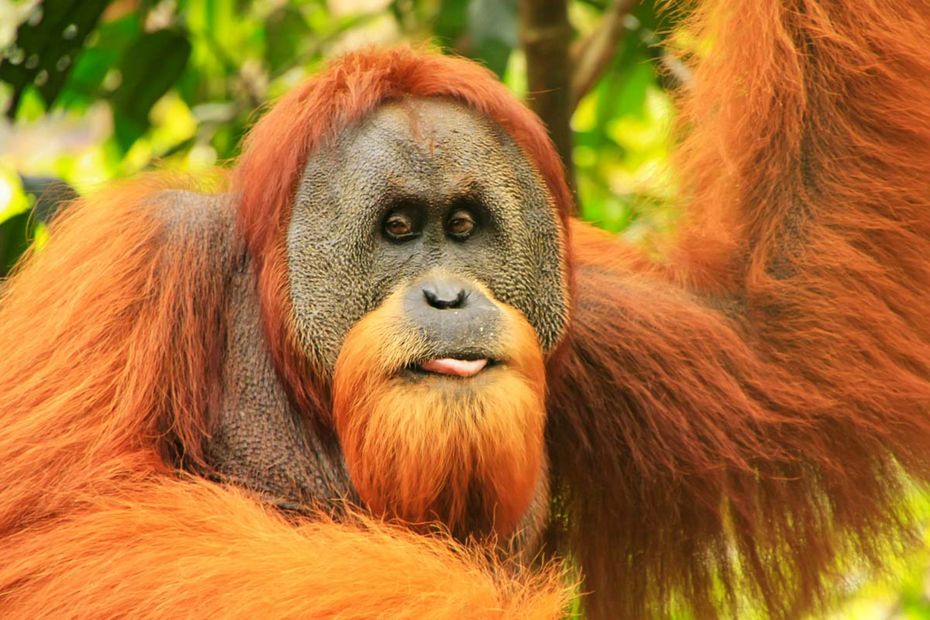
x,y
728,420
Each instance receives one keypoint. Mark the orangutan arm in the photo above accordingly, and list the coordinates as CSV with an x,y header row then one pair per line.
x,y
165,548
742,414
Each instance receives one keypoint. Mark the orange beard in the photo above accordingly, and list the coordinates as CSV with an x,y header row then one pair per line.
x,y
464,452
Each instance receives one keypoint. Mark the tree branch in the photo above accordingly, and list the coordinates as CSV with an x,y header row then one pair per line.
x,y
594,53
546,35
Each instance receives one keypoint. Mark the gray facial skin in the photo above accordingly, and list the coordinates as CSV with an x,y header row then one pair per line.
x,y
469,328
430,157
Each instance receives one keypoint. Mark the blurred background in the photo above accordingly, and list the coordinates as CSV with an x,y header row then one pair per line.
x,y
94,90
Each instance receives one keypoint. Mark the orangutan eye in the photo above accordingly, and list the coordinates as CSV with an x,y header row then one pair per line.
x,y
461,224
400,226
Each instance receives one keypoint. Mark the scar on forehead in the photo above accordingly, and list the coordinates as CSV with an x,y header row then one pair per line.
x,y
429,122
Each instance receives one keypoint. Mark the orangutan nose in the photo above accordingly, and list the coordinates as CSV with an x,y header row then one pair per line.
x,y
455,317
443,294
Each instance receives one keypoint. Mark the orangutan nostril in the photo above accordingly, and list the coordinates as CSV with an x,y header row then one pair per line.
x,y
443,296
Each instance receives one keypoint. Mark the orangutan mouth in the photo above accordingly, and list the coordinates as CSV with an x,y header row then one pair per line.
x,y
454,367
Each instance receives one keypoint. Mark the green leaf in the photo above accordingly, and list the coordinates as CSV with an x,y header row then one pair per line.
x,y
492,30
151,66
285,31
108,45
15,237
631,99
46,47
451,21
660,16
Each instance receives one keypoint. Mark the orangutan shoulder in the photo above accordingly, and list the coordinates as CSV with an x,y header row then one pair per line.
x,y
196,215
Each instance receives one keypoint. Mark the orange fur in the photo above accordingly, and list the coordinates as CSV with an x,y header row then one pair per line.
x,y
744,411
427,451
112,339
726,422
178,549
103,331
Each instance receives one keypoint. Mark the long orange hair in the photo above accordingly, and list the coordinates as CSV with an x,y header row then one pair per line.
x,y
725,423
745,409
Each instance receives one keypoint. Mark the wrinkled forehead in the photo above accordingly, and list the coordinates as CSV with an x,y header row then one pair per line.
x,y
430,127
434,149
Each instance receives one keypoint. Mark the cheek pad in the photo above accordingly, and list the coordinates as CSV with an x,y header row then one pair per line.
x,y
329,280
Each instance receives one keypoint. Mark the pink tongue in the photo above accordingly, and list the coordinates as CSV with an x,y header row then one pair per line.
x,y
451,366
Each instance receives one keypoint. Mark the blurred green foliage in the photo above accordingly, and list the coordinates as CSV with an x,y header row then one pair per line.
x,y
95,90
100,89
